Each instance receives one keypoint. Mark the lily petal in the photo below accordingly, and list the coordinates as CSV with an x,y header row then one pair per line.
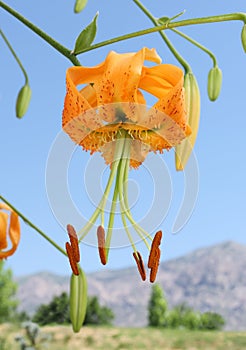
x,y
13,231
3,230
113,100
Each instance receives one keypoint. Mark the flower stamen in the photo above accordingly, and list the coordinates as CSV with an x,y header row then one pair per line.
x,y
154,256
154,267
74,241
72,261
101,244
138,258
72,249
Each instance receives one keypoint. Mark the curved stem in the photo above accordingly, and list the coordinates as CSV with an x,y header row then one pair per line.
x,y
221,18
176,54
29,223
194,42
239,16
15,55
62,49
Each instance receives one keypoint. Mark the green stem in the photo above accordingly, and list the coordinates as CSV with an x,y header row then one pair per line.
x,y
239,16
221,18
194,42
176,54
29,223
15,56
60,48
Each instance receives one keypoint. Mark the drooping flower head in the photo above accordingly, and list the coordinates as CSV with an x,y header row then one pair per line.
x,y
109,114
8,231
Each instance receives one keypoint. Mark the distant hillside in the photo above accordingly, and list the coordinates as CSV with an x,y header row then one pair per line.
x,y
211,278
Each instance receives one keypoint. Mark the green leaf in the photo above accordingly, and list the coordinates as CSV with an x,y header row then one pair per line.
x,y
163,20
86,37
79,5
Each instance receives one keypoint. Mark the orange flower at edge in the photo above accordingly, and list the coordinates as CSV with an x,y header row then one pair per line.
x,y
12,231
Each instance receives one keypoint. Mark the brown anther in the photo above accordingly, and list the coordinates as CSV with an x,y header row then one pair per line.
x,y
154,256
140,265
155,244
72,260
101,244
74,242
154,268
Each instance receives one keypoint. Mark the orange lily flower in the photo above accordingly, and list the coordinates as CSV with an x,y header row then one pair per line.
x,y
13,231
109,114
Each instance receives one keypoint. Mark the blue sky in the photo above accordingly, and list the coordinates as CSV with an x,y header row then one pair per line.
x,y
219,212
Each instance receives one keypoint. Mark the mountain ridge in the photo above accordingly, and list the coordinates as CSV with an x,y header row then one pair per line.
x,y
208,279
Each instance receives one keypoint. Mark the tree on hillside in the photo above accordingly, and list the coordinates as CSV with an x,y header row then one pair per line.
x,y
157,307
57,311
212,321
97,314
8,288
183,315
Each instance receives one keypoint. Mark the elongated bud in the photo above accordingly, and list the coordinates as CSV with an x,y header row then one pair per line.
x,y
79,5
243,37
23,100
214,83
78,300
192,104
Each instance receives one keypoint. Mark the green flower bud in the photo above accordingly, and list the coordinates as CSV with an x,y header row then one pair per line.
x,y
192,105
23,100
79,5
78,300
214,83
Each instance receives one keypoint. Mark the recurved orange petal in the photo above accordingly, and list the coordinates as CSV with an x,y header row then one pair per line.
x,y
159,80
13,231
3,230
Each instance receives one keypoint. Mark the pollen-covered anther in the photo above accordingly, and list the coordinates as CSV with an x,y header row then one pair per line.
x,y
74,242
72,249
140,265
154,256
72,260
155,244
154,268
101,244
